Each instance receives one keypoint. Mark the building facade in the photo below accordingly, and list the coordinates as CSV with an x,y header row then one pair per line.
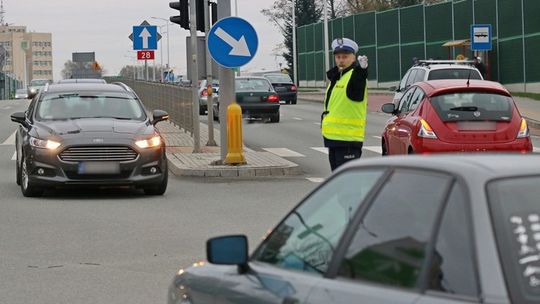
x,y
29,53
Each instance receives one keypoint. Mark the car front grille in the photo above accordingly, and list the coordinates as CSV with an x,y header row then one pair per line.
x,y
98,153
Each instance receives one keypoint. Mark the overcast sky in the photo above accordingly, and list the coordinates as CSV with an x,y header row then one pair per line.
x,y
103,26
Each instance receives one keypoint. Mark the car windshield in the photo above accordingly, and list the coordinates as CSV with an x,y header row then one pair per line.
x,y
475,106
454,74
516,216
252,84
89,105
279,78
38,82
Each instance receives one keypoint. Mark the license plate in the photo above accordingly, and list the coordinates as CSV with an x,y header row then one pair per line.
x,y
98,168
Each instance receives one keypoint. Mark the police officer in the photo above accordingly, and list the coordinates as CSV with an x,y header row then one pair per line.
x,y
344,117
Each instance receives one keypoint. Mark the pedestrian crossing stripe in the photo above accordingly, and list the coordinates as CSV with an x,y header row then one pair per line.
x,y
283,152
10,140
316,180
321,149
14,157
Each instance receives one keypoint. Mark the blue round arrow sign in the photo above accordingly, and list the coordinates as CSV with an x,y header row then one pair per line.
x,y
232,42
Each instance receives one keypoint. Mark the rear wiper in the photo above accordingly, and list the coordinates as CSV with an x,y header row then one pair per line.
x,y
465,109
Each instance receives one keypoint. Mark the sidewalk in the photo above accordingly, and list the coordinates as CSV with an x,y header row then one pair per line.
x,y
183,162
529,108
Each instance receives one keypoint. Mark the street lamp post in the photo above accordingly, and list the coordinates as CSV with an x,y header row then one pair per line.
x,y
168,45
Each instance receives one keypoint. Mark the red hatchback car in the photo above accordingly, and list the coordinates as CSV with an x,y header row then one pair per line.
x,y
455,116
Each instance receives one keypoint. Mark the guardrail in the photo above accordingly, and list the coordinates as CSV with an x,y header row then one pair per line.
x,y
174,99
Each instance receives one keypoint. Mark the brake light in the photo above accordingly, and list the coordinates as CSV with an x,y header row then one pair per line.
x,y
523,129
425,130
204,93
273,98
293,88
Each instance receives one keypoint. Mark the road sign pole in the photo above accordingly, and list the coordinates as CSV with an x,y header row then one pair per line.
x,y
194,76
146,70
226,85
209,80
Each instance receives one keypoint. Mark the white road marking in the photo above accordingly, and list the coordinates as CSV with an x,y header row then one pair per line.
x,y
317,123
376,149
10,140
297,118
14,157
6,107
283,152
316,180
320,149
377,137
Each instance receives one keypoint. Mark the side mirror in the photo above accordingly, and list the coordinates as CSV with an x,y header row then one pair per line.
x,y
389,108
228,250
393,89
19,117
159,115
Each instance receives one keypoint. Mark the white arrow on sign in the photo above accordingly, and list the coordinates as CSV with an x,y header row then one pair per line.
x,y
239,47
145,34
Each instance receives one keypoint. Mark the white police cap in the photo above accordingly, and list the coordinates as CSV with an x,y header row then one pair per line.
x,y
341,45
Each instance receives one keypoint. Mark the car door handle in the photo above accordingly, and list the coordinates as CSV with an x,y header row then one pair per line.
x,y
290,300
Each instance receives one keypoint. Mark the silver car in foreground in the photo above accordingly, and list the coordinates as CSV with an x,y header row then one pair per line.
x,y
416,229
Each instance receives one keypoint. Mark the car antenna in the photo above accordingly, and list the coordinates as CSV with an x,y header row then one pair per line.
x,y
469,78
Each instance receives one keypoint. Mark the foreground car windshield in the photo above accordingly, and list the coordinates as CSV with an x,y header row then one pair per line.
x,y
252,85
88,105
279,78
454,74
473,106
516,217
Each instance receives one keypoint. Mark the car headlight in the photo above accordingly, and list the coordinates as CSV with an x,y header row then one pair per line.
x,y
149,143
44,144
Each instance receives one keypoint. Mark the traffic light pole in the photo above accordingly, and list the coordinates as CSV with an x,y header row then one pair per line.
x,y
209,80
226,85
194,76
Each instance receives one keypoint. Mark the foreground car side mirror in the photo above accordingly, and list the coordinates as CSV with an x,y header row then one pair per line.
x,y
159,115
19,117
228,250
389,108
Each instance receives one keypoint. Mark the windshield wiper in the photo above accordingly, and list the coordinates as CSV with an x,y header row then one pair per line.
x,y
465,109
112,117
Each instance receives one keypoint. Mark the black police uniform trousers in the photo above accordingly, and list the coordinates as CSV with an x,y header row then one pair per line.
x,y
340,155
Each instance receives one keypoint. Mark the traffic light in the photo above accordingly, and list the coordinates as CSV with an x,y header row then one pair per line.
x,y
200,15
183,7
213,6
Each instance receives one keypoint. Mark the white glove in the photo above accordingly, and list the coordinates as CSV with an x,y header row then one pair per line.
x,y
363,61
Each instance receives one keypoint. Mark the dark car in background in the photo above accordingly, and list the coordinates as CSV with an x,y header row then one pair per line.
x,y
284,86
256,97
450,229
89,135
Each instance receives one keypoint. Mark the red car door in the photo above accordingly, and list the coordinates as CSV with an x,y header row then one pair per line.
x,y
394,128
408,125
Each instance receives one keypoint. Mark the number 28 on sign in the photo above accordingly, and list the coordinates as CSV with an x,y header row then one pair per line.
x,y
145,55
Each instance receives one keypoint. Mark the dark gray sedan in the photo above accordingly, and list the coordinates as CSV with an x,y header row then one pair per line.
x,y
438,229
91,135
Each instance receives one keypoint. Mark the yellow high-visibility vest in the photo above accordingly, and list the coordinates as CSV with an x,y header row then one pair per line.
x,y
346,119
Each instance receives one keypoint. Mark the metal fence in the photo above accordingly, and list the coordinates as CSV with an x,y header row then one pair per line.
x,y
392,38
8,86
176,100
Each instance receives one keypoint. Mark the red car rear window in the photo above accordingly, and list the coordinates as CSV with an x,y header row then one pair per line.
x,y
515,211
473,106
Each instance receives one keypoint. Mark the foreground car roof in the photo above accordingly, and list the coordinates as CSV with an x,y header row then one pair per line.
x,y
437,87
96,87
485,166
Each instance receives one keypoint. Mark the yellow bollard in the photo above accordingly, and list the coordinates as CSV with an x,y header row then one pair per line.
x,y
235,153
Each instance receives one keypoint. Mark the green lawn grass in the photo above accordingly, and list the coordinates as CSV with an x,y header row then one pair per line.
x,y
534,96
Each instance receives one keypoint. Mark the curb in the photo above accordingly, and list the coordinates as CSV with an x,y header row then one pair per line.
x,y
199,165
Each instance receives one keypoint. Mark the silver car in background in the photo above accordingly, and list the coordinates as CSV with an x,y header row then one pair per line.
x,y
21,94
439,229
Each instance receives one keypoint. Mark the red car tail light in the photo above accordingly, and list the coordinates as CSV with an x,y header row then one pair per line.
x,y
425,130
293,88
273,98
523,129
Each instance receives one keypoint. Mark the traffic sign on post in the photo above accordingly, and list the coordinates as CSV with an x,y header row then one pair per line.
x,y
145,55
145,37
232,42
481,37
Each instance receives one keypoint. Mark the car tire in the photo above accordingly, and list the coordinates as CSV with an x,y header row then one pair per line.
x,y
293,101
17,168
274,117
384,148
161,188
27,189
410,151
